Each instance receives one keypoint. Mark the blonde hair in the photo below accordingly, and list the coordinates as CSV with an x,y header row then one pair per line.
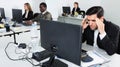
x,y
28,6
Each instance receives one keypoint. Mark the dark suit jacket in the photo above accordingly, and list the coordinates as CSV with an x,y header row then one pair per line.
x,y
29,17
109,43
46,16
77,10
118,50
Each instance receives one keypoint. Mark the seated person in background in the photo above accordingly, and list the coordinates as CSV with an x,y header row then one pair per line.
x,y
99,32
28,15
76,9
43,15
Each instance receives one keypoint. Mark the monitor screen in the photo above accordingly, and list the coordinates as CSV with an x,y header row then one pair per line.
x,y
66,10
66,38
2,13
17,15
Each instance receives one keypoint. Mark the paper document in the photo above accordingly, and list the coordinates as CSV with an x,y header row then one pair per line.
x,y
97,59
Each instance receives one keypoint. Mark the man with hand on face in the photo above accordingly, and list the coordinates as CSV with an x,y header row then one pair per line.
x,y
99,32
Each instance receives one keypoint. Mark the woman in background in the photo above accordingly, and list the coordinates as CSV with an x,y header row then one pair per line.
x,y
76,8
28,15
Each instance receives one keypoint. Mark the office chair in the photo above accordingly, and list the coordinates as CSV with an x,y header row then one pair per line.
x,y
0,19
35,15
82,12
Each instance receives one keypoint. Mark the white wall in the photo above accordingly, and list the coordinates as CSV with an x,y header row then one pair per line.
x,y
112,10
35,5
85,4
18,4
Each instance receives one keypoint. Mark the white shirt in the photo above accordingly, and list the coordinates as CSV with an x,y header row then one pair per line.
x,y
75,9
95,37
26,15
44,12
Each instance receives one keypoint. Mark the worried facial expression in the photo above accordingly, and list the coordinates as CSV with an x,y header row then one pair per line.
x,y
91,19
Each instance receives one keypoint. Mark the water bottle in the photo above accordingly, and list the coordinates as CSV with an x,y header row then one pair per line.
x,y
34,38
34,30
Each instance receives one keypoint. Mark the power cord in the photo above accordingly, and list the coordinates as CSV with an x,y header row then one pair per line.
x,y
23,46
23,57
26,49
30,61
8,55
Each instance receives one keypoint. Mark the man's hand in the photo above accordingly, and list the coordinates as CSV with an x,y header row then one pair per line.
x,y
84,23
28,22
101,26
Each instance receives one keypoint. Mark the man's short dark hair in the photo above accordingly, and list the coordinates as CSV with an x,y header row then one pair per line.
x,y
95,10
44,4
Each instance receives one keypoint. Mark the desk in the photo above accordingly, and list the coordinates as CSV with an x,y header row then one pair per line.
x,y
115,59
4,33
71,20
99,56
25,38
21,29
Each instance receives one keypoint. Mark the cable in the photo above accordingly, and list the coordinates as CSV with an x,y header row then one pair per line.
x,y
8,55
28,59
26,52
24,57
17,52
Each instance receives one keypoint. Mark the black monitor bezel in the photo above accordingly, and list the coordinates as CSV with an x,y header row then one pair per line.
x,y
75,50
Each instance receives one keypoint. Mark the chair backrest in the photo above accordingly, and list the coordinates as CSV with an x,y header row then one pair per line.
x,y
82,12
0,19
35,15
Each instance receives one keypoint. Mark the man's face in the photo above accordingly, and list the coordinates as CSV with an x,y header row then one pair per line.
x,y
42,8
92,21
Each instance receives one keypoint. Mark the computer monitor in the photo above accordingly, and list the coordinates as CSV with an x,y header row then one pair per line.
x,y
66,9
65,38
2,13
17,15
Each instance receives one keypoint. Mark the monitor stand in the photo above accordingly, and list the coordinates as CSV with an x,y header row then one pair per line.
x,y
54,63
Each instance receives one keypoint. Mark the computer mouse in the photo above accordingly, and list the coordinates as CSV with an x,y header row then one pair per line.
x,y
13,25
85,57
22,45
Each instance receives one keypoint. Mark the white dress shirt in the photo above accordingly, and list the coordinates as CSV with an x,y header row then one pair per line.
x,y
44,12
95,37
26,15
